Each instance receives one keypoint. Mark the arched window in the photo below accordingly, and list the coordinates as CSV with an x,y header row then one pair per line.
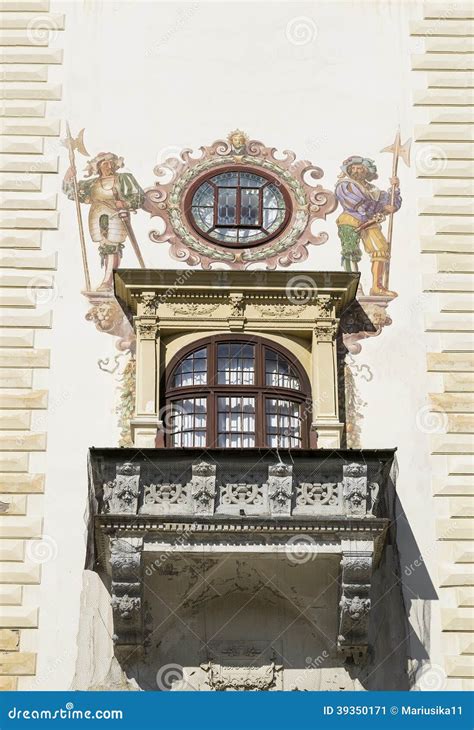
x,y
237,392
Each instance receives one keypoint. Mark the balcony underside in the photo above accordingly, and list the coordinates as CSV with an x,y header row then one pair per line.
x,y
303,507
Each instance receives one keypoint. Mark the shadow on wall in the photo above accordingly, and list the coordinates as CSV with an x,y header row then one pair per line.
x,y
400,581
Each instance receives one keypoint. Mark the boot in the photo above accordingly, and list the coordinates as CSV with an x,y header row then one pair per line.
x,y
112,261
378,288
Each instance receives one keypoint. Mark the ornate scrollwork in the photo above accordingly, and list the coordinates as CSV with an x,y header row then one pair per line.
x,y
126,606
147,330
314,494
243,678
325,332
166,493
194,309
280,310
242,494
355,607
149,302
309,202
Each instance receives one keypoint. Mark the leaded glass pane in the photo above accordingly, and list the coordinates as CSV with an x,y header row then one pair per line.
x,y
278,371
251,180
225,234
204,218
226,207
283,423
238,208
249,207
272,197
188,422
235,422
192,370
226,179
204,195
235,364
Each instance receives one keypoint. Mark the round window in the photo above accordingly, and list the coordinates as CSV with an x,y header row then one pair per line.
x,y
238,208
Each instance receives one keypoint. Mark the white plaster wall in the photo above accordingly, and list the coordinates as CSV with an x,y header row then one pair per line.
x,y
148,78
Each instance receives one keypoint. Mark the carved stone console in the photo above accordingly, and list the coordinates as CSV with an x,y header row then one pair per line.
x,y
168,500
356,568
126,600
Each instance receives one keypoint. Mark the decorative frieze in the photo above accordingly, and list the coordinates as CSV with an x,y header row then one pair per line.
x,y
278,491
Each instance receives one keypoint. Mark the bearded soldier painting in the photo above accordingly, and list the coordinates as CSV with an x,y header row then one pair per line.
x,y
364,209
111,195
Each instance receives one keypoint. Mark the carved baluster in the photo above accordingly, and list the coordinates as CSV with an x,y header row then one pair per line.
x,y
280,489
121,494
203,488
354,489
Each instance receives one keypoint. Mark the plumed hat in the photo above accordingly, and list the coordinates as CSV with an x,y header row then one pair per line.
x,y
93,165
357,160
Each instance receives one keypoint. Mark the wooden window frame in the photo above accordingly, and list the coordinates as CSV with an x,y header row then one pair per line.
x,y
270,180
259,390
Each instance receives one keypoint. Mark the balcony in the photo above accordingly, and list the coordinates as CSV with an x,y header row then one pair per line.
x,y
151,502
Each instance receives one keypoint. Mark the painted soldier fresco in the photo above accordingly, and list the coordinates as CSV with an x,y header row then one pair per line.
x,y
111,195
364,208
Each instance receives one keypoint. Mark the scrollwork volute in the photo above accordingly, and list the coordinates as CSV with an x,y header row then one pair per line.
x,y
308,202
